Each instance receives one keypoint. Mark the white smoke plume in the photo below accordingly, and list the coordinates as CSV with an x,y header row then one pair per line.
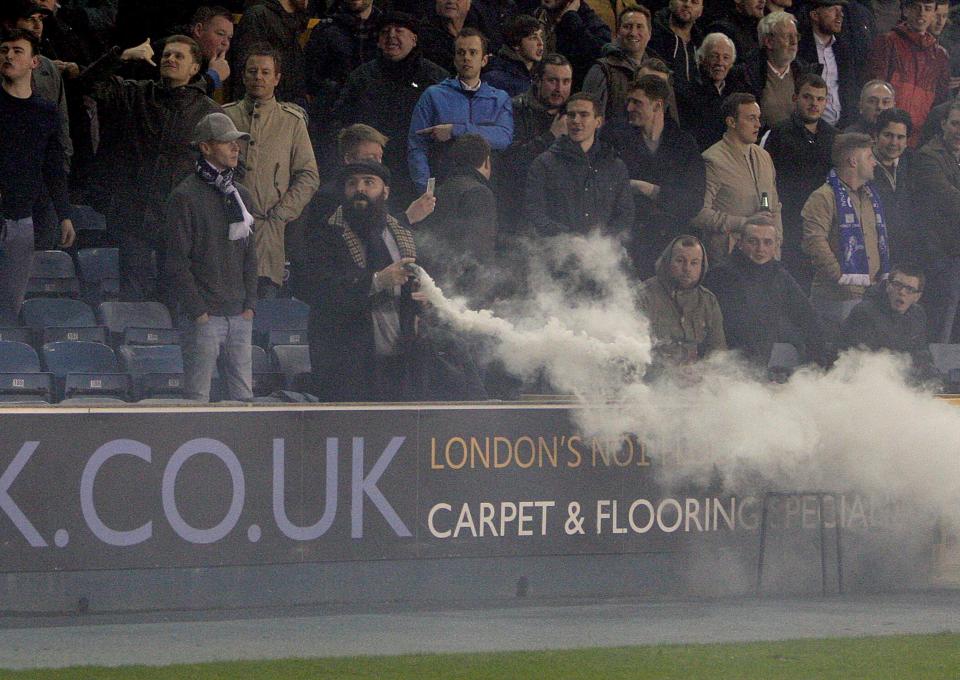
x,y
857,427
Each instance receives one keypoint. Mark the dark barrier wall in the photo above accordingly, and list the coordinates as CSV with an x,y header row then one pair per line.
x,y
131,490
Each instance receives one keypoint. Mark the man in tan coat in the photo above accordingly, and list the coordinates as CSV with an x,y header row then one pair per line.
x,y
843,230
740,178
278,162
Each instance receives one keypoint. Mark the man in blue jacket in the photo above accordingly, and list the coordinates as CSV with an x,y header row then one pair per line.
x,y
455,107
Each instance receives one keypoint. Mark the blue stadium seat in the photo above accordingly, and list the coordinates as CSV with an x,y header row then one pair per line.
x,y
86,218
20,376
99,270
784,360
946,359
54,319
157,370
293,362
18,357
138,323
53,273
16,334
266,379
85,368
280,314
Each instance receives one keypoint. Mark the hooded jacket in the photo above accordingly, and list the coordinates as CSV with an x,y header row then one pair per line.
x,y
506,71
486,112
918,69
569,191
682,59
686,324
756,299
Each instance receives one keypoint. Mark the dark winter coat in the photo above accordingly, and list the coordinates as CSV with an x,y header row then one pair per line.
x,y
460,236
740,28
383,94
269,22
338,290
900,209
750,75
937,175
579,36
506,71
802,160
848,72
676,167
337,46
436,42
144,148
531,137
208,273
699,104
569,191
875,325
757,300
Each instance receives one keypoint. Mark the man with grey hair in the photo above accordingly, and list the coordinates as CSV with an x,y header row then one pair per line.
x,y
700,101
844,231
772,72
875,96
211,263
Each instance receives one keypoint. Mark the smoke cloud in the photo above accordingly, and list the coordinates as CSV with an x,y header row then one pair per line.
x,y
857,427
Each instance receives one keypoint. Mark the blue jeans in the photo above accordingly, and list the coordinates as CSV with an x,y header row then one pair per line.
x,y
942,298
16,260
228,337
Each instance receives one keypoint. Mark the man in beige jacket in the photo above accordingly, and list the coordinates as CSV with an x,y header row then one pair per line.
x,y
278,164
849,251
740,180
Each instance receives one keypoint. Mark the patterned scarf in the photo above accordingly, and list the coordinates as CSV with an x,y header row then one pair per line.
x,y
853,250
241,221
358,253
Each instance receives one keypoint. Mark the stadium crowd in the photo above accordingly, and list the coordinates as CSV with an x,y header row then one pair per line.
x,y
808,150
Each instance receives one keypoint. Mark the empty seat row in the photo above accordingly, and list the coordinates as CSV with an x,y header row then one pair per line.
x,y
54,274
71,369
51,319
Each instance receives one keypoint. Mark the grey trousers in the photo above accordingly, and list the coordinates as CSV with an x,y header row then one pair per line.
x,y
16,260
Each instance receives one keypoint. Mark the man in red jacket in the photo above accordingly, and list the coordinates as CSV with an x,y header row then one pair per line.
x,y
910,59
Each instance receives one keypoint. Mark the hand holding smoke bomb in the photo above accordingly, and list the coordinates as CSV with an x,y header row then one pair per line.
x,y
395,274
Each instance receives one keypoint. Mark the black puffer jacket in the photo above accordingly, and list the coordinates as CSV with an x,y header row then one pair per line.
x,y
569,191
144,147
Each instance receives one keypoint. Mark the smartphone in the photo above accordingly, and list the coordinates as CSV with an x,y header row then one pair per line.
x,y
431,185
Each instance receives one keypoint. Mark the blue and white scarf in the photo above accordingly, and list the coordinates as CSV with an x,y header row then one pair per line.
x,y
241,221
854,265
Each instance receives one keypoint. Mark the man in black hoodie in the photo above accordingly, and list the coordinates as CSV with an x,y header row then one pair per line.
x,y
676,37
761,302
579,184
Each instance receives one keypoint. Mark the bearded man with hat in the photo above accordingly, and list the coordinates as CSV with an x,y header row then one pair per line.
x,y
358,284
211,263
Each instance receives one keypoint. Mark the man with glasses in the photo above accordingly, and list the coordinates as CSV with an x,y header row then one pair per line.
x,y
889,318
